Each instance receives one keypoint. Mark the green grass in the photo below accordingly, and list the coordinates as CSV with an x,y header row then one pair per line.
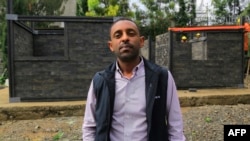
x,y
58,136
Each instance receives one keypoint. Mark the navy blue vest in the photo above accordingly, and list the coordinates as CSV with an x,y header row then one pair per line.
x,y
156,89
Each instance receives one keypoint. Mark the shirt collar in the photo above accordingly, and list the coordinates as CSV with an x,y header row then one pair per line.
x,y
135,69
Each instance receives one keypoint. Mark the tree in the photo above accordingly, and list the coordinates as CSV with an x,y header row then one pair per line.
x,y
182,18
161,13
234,7
191,8
81,7
38,7
124,8
95,8
154,20
246,11
226,10
220,11
3,41
104,8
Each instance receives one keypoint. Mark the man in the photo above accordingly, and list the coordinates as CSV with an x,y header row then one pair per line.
x,y
133,99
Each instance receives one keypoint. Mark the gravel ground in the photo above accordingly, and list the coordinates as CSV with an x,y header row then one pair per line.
x,y
206,123
200,124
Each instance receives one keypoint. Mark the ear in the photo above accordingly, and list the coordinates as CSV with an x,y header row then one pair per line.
x,y
110,46
142,39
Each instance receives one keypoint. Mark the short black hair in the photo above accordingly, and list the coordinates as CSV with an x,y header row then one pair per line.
x,y
117,19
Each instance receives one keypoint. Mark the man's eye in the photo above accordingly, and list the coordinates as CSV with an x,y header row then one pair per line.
x,y
131,33
117,35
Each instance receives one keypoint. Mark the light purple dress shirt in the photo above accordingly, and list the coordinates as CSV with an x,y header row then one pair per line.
x,y
129,115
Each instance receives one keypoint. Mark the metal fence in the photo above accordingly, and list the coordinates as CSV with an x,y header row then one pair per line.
x,y
229,20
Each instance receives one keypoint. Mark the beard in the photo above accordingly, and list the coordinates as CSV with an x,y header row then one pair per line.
x,y
127,55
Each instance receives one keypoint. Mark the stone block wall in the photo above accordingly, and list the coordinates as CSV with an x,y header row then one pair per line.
x,y
60,66
145,50
159,51
148,51
48,45
220,66
23,42
162,50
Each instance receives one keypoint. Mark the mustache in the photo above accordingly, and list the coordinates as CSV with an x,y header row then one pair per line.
x,y
125,45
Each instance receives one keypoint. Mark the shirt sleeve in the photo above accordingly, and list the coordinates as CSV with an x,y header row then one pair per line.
x,y
89,124
175,122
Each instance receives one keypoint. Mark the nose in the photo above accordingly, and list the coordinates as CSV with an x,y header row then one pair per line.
x,y
125,37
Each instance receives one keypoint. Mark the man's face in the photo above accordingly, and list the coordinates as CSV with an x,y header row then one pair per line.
x,y
125,40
